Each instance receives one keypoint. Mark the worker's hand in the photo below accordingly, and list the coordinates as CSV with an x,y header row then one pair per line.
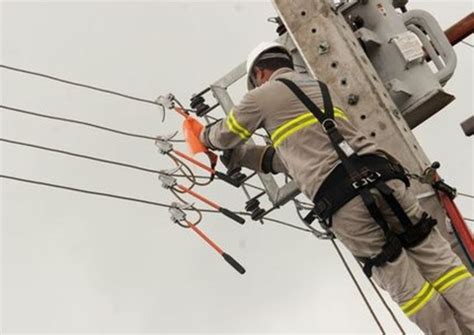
x,y
245,155
230,160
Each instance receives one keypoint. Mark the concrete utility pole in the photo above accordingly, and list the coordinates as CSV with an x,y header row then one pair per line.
x,y
371,57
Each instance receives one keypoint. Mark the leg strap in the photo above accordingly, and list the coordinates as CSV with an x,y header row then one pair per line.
x,y
415,234
390,252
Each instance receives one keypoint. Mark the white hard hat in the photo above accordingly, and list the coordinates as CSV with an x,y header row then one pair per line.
x,y
255,54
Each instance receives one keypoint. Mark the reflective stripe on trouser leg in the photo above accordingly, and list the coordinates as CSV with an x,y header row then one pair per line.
x,y
419,301
400,278
451,278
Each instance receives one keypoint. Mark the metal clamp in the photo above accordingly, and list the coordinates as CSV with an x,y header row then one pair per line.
x,y
163,143
167,179
164,146
166,101
177,212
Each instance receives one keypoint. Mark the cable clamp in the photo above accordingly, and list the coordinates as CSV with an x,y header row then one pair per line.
x,y
177,212
166,101
164,146
167,179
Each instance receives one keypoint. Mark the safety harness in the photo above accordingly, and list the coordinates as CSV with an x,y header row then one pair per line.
x,y
356,176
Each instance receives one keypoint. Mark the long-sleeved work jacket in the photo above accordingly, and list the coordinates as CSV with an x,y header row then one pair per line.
x,y
297,136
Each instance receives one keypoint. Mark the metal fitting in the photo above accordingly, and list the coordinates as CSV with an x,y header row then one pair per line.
x,y
167,179
323,48
353,99
166,101
164,146
177,213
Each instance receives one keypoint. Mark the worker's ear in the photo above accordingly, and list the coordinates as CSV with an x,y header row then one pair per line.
x,y
258,75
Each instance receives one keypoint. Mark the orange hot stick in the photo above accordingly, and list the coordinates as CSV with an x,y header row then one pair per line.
x,y
198,196
194,161
205,237
228,258
181,112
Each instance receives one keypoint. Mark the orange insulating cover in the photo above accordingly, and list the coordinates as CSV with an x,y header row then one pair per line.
x,y
192,128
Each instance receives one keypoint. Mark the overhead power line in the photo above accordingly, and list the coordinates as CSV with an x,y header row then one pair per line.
x,y
80,190
356,283
82,123
88,86
106,161
127,198
466,195
69,82
69,153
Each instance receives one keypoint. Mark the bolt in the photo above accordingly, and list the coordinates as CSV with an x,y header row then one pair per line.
x,y
323,48
353,99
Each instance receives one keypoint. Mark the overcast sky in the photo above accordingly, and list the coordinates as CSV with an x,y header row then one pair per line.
x,y
80,263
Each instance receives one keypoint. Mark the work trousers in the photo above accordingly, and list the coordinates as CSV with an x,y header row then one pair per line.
x,y
429,282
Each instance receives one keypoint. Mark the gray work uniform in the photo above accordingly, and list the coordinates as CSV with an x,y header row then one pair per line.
x,y
429,282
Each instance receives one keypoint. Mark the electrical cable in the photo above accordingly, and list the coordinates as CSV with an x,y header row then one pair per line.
x,y
107,161
69,153
384,302
121,197
80,190
83,123
374,316
69,82
285,224
465,195
103,90
468,44
469,219
318,234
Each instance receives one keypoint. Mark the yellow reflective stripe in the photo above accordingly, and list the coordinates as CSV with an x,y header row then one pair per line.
x,y
294,130
419,300
298,123
454,282
339,113
289,124
450,278
236,128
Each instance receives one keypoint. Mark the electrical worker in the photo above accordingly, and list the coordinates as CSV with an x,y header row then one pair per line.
x,y
358,189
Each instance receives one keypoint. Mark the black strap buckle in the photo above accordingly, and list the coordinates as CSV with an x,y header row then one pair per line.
x,y
371,178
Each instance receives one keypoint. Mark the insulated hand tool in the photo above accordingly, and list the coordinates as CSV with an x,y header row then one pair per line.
x,y
178,215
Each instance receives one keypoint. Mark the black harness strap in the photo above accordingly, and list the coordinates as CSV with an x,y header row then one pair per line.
x,y
362,177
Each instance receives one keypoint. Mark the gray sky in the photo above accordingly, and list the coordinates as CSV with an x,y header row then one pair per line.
x,y
79,263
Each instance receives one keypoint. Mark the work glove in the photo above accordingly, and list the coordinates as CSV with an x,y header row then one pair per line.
x,y
252,157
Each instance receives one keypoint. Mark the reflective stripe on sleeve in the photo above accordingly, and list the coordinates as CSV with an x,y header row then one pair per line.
x,y
419,300
236,128
451,278
302,121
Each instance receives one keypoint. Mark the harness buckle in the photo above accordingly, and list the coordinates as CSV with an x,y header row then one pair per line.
x,y
360,183
328,125
373,176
